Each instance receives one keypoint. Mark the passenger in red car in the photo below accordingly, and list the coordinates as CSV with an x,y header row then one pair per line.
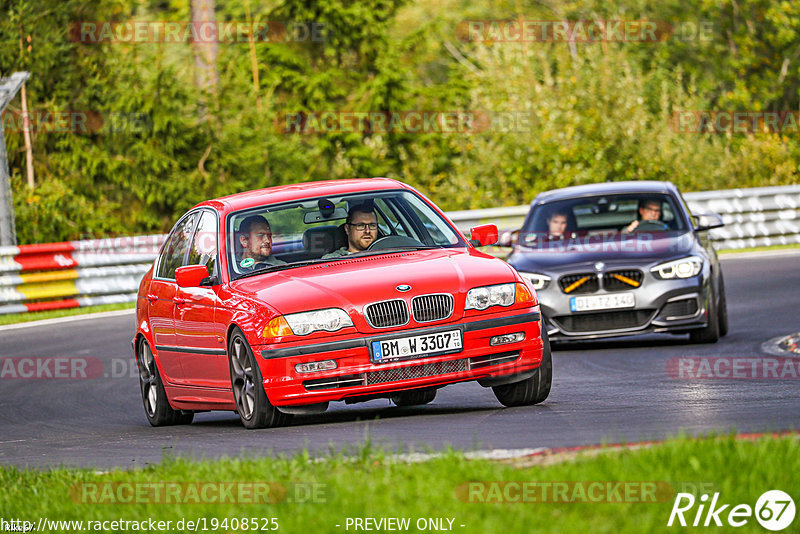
x,y
255,236
361,229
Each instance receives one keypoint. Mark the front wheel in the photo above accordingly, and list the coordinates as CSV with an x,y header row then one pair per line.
x,y
711,332
252,404
154,397
723,308
534,389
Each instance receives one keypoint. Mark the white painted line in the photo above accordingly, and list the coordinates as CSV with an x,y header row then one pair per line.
x,y
762,254
492,454
68,319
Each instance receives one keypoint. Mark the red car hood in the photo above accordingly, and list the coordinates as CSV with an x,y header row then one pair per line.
x,y
352,283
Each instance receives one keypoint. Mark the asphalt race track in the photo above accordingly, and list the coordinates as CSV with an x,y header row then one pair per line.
x,y
611,391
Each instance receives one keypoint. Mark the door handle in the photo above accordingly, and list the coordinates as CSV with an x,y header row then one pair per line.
x,y
152,298
179,300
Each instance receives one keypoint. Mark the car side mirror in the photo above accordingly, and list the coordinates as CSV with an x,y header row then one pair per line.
x,y
191,275
484,235
708,221
508,239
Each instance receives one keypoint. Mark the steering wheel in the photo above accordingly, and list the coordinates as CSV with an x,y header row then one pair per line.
x,y
651,226
394,241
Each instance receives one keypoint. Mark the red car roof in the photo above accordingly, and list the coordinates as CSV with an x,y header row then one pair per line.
x,y
288,193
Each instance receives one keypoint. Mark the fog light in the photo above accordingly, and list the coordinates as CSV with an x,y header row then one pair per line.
x,y
507,338
313,367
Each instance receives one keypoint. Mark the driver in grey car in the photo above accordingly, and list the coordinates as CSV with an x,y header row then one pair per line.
x,y
649,210
361,229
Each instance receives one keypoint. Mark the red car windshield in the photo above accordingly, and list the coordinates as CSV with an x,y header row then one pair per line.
x,y
274,237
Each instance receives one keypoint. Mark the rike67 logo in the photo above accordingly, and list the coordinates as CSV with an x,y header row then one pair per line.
x,y
774,510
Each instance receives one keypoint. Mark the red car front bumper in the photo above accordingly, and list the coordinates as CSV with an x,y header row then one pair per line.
x,y
356,376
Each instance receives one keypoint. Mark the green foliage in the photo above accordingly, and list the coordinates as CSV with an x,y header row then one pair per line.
x,y
595,111
316,496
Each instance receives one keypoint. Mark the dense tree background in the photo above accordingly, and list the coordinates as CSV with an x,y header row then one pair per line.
x,y
601,111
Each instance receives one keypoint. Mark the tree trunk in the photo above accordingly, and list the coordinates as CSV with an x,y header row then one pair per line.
x,y
204,20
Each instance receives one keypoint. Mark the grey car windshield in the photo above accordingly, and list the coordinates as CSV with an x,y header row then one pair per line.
x,y
605,215
302,232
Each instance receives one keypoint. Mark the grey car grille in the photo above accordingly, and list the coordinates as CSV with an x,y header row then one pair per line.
x,y
679,308
427,308
579,283
607,320
387,313
622,280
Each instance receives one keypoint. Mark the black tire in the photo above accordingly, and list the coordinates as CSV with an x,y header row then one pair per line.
x,y
414,397
723,308
709,333
154,397
534,389
252,404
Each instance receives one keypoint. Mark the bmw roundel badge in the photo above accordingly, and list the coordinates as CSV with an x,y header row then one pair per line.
x,y
403,287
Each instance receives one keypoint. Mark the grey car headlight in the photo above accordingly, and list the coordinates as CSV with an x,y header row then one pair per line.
x,y
329,319
682,268
539,281
480,298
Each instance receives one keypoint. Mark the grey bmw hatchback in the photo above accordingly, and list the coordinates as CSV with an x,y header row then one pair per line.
x,y
622,258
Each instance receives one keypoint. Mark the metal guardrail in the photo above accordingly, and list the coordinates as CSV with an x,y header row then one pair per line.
x,y
100,271
755,217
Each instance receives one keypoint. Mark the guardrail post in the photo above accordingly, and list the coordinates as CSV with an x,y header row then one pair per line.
x,y
8,234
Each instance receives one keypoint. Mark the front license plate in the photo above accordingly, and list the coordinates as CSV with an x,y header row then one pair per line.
x,y
406,348
602,302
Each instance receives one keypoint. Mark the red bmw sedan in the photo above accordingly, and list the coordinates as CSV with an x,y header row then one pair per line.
x,y
276,302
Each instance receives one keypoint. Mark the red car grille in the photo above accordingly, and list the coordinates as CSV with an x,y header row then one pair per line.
x,y
417,371
427,308
397,374
387,313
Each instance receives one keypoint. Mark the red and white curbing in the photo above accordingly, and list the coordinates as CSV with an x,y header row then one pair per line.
x,y
74,274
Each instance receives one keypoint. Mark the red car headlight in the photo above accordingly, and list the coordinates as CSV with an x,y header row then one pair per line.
x,y
302,324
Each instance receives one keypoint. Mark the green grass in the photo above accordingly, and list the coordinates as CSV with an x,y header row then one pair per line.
x,y
370,484
13,318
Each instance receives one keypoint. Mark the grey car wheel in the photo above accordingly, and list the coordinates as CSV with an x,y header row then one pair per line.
x,y
711,332
534,389
154,397
252,404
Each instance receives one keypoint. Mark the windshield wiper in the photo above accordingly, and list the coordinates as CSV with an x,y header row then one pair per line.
x,y
396,249
282,266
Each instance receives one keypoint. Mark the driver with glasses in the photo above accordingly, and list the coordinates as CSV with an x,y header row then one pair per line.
x,y
361,229
649,210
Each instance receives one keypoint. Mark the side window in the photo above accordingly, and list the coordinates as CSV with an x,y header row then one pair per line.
x,y
175,249
387,218
204,244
